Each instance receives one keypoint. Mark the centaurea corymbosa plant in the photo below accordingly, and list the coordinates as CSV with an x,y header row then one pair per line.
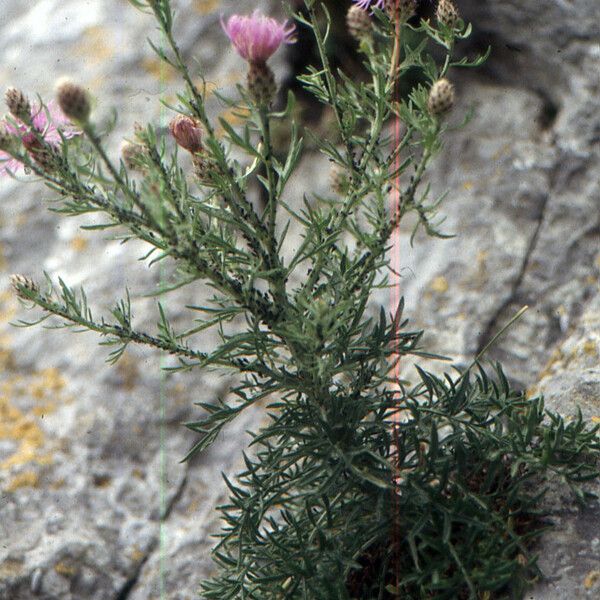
x,y
340,498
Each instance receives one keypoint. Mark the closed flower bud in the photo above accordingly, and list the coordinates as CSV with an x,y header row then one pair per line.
x,y
447,13
187,133
73,100
21,283
18,104
358,23
261,83
401,9
441,97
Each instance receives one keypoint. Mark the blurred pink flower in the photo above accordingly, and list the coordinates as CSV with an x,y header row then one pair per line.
x,y
364,4
47,121
256,37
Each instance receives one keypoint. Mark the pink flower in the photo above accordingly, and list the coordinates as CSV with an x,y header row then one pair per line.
x,y
47,121
364,4
257,37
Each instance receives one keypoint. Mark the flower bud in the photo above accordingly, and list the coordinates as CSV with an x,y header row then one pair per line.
x,y
261,83
20,283
187,133
441,97
447,13
45,155
73,100
18,104
358,23
401,9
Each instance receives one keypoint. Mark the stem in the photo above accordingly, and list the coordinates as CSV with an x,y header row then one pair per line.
x,y
395,61
268,162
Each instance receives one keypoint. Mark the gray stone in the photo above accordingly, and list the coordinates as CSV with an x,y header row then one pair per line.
x,y
94,500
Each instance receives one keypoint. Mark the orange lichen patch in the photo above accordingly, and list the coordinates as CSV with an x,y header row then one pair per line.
x,y
468,185
11,568
21,480
136,554
205,7
22,427
439,285
65,569
43,409
595,419
53,379
97,45
531,392
7,358
158,69
591,578
79,243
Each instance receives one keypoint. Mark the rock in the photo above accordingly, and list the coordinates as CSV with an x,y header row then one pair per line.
x,y
90,454
94,501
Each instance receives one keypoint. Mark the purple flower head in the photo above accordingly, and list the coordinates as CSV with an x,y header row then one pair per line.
x,y
364,4
47,121
256,37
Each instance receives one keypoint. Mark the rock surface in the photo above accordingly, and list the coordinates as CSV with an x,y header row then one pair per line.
x,y
94,502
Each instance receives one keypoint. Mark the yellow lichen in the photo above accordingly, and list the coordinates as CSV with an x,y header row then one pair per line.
x,y
79,243
591,578
21,480
136,554
65,569
97,45
11,568
590,348
158,69
22,426
439,285
137,473
205,7
556,357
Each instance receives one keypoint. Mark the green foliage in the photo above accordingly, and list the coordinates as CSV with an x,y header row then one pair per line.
x,y
339,498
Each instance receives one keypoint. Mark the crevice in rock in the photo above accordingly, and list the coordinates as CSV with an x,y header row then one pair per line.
x,y
493,324
125,591
128,587
549,111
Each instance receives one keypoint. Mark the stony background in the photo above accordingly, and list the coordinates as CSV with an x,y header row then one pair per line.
x,y
94,502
